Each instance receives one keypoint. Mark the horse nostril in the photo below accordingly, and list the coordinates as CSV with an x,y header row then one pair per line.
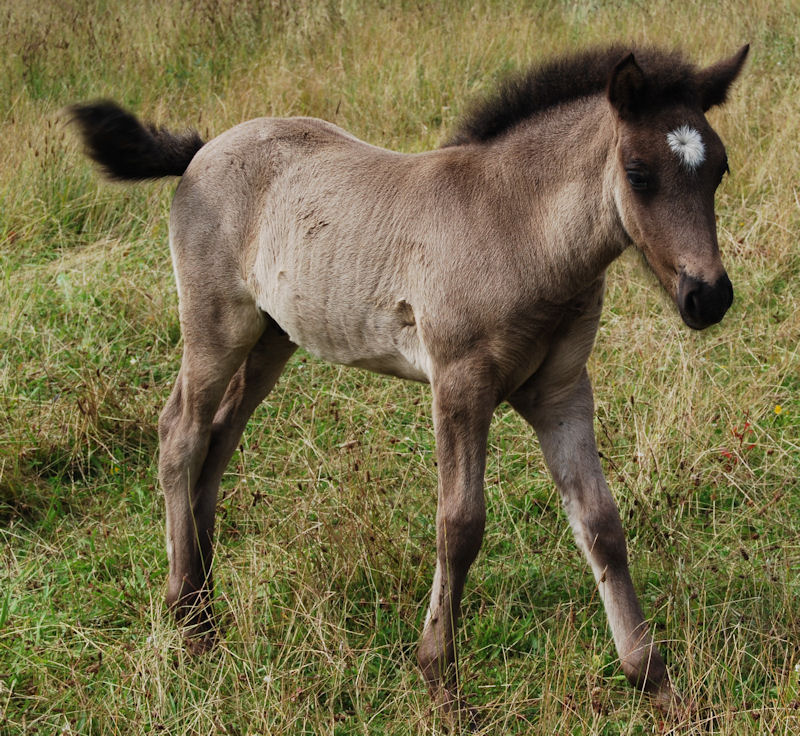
x,y
691,306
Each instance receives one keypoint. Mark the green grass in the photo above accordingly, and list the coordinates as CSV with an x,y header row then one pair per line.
x,y
326,518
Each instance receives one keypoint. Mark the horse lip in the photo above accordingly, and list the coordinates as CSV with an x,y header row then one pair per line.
x,y
687,320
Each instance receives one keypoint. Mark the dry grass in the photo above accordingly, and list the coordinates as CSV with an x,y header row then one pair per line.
x,y
325,544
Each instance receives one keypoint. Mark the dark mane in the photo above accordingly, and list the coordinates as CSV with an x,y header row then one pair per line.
x,y
670,79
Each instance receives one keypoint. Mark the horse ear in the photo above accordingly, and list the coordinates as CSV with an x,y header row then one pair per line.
x,y
625,86
715,80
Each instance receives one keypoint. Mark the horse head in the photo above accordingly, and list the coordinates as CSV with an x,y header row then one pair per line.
x,y
669,163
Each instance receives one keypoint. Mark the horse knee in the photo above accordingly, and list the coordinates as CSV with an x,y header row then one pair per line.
x,y
598,531
170,414
609,538
461,534
184,441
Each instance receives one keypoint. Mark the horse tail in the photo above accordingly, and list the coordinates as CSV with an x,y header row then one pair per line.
x,y
128,150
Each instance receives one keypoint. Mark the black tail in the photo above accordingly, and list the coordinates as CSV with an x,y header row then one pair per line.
x,y
126,149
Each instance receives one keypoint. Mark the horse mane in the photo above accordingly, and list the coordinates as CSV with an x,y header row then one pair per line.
x,y
670,80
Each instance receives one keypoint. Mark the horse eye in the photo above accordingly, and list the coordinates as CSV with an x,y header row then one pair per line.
x,y
638,179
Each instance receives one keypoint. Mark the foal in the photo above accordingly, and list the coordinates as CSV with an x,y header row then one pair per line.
x,y
478,267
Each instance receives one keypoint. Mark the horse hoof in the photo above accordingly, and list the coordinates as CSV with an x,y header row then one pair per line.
x,y
199,645
456,714
669,702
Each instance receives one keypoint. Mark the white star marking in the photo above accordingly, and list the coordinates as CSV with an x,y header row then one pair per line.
x,y
687,144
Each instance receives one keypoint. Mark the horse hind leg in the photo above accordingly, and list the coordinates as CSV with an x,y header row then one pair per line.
x,y
224,375
249,386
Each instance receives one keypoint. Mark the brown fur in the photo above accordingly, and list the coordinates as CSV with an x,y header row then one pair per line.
x,y
478,268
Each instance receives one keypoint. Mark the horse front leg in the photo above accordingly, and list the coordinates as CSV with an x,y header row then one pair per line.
x,y
565,431
462,411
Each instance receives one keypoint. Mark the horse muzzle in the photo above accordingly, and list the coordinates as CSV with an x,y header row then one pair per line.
x,y
702,304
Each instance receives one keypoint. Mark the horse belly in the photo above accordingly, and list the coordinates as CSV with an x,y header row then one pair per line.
x,y
348,327
372,347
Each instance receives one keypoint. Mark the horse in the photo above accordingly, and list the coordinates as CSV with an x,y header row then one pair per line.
x,y
478,267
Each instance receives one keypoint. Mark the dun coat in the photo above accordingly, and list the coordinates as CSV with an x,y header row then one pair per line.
x,y
478,267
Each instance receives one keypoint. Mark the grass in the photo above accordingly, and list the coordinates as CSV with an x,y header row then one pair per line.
x,y
326,519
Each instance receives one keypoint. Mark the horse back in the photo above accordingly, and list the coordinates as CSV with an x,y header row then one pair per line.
x,y
365,257
311,224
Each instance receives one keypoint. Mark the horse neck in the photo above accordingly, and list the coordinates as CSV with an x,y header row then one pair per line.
x,y
561,168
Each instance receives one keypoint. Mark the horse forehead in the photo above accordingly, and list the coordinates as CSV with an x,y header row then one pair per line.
x,y
687,144
684,136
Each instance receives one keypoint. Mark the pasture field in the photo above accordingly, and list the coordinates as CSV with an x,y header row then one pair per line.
x,y
325,545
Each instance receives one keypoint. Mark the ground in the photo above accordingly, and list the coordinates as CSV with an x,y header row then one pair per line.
x,y
326,521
